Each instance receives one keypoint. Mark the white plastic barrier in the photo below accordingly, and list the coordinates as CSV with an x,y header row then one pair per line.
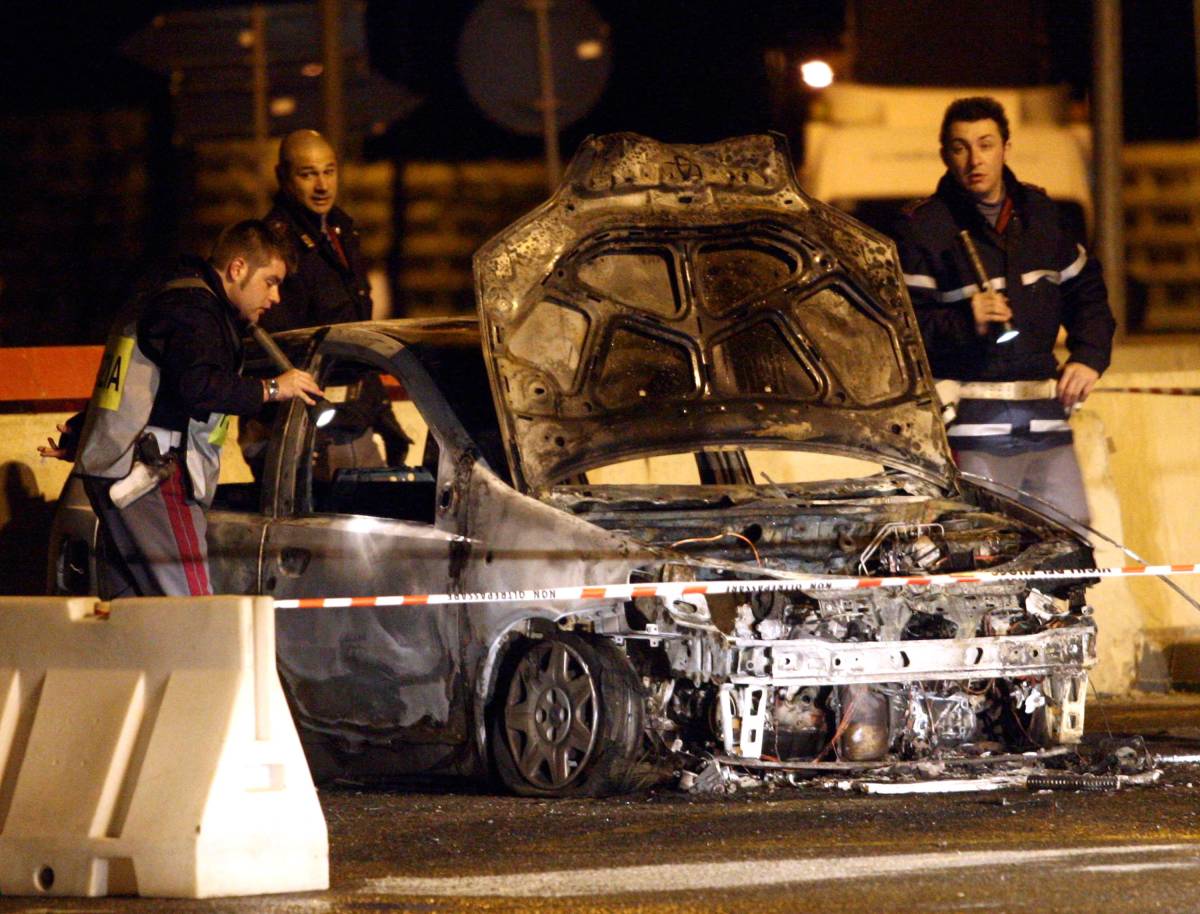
x,y
146,748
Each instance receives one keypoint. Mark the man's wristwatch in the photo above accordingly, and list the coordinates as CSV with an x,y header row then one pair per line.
x,y
272,390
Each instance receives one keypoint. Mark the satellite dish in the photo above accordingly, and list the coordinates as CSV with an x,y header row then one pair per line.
x,y
498,59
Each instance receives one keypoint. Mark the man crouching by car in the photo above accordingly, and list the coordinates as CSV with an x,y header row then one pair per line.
x,y
148,452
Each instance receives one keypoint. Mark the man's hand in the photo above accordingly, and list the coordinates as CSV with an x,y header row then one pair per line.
x,y
988,307
1075,383
51,449
297,383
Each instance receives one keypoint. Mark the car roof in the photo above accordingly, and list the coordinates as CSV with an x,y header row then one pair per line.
x,y
449,331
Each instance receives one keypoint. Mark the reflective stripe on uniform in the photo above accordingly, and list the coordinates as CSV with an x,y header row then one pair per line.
x,y
919,281
979,429
987,429
986,418
1057,277
1049,425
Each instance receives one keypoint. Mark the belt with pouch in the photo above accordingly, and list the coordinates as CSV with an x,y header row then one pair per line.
x,y
950,392
1008,390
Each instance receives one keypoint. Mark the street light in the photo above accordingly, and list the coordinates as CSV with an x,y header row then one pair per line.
x,y
817,74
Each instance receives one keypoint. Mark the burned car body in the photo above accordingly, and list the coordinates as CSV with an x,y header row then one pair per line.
x,y
693,298
667,304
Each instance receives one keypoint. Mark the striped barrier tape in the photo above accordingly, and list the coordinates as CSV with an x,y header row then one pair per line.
x,y
1164,391
677,589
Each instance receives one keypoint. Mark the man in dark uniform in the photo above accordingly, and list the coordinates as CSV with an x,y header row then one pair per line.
x,y
328,286
149,450
1011,419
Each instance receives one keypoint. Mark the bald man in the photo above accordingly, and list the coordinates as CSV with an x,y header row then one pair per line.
x,y
330,285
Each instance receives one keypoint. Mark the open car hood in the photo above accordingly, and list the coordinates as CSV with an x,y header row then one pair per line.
x,y
677,297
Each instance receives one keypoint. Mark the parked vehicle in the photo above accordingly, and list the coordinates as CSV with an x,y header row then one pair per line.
x,y
690,309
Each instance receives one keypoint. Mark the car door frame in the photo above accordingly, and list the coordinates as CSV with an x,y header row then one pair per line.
x,y
288,480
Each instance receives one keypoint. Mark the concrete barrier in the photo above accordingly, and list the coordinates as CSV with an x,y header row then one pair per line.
x,y
146,748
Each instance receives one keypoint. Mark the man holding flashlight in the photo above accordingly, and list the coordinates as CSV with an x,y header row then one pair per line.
x,y
149,450
994,335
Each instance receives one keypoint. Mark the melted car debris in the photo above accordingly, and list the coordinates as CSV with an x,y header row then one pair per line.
x,y
1109,764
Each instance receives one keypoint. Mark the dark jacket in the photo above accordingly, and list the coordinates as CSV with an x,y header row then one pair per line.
x,y
195,340
1048,277
322,289
173,360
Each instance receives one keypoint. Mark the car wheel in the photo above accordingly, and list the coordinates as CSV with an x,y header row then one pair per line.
x,y
567,718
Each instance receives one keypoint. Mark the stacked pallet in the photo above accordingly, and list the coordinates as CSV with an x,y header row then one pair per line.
x,y
421,232
451,209
1162,232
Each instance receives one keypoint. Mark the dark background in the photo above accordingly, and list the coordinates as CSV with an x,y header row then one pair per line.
x,y
682,70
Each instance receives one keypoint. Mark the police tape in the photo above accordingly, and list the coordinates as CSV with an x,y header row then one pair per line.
x,y
1163,391
674,590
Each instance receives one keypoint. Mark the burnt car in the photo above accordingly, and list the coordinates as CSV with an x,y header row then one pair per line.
x,y
684,371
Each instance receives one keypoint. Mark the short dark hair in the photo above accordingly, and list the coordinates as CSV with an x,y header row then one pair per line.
x,y
254,241
975,108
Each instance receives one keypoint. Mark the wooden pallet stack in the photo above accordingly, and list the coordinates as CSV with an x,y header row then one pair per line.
x,y
446,211
1162,232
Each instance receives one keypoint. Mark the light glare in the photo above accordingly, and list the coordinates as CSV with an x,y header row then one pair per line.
x,y
322,412
817,74
591,49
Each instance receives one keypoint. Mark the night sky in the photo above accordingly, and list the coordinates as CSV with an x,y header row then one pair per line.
x,y
683,69
72,240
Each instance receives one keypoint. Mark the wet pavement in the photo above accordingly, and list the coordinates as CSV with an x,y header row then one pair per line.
x,y
440,848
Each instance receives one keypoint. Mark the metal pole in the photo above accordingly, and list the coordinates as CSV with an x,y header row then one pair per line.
x,y
549,101
331,72
1196,58
262,130
1107,120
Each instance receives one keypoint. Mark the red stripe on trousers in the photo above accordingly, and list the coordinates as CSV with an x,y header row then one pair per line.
x,y
170,499
186,539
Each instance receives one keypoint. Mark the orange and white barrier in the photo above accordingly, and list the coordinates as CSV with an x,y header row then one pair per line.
x,y
146,748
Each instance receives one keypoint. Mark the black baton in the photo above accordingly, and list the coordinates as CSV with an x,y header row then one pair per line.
x,y
1005,331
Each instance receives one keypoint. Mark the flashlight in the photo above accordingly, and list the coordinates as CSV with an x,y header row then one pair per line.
x,y
1005,331
322,412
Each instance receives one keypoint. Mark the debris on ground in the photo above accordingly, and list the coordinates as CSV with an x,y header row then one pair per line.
x,y
1178,758
1108,764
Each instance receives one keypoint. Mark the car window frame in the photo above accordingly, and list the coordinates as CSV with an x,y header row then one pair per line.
x,y
287,472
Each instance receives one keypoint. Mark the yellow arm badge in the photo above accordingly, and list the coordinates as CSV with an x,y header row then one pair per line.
x,y
110,382
217,436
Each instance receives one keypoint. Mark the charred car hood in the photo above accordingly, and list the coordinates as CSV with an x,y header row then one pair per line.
x,y
677,297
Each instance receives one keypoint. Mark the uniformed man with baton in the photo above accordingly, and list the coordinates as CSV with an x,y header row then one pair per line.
x,y
993,274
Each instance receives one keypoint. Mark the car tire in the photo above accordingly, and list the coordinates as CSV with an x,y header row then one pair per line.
x,y
567,718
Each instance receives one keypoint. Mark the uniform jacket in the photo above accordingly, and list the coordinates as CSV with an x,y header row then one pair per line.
x,y
1048,277
322,289
173,361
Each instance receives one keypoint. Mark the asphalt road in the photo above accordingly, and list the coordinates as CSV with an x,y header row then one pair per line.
x,y
786,849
